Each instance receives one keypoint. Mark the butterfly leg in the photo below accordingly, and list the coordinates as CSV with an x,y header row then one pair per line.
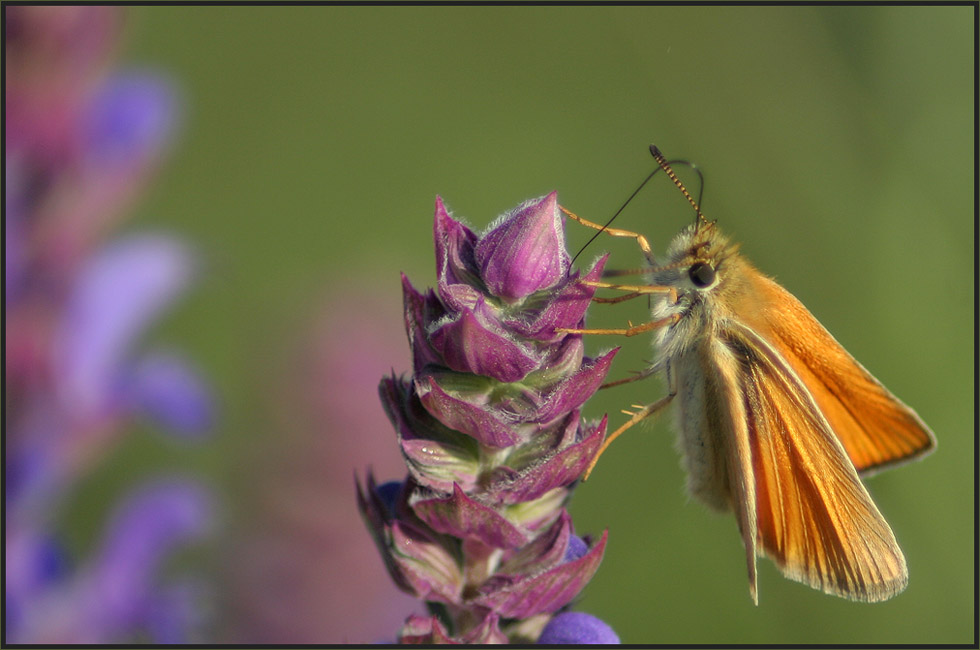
x,y
613,301
615,232
637,376
636,290
640,415
633,330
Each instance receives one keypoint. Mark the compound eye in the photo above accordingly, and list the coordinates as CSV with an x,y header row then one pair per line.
x,y
701,274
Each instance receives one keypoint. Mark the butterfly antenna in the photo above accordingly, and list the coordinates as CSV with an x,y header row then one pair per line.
x,y
664,165
621,208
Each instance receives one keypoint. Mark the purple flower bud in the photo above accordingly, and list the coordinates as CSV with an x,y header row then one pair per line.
x,y
487,632
459,278
464,518
424,630
567,309
474,343
431,570
486,425
437,458
378,516
522,596
419,312
577,628
557,467
524,250
545,552
430,630
572,391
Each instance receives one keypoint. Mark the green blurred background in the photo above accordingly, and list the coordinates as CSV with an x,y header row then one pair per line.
x,y
837,144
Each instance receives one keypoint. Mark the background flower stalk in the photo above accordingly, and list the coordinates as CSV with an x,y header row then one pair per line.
x,y
82,139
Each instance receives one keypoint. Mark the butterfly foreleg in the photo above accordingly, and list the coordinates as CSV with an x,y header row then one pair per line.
x,y
615,232
637,417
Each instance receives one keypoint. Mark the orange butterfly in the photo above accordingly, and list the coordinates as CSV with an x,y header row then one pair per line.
x,y
776,419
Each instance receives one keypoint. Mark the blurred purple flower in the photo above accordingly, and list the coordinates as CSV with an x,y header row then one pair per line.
x,y
115,296
165,387
302,572
129,121
490,429
80,142
109,597
53,57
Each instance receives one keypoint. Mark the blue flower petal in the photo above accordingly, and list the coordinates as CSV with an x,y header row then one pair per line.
x,y
573,628
576,548
389,493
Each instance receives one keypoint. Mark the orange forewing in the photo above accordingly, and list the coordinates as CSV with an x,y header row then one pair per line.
x,y
813,516
875,427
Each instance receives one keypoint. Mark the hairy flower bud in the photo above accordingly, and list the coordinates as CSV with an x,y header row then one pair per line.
x,y
490,429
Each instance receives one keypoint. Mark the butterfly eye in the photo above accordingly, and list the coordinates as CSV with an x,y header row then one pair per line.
x,y
701,274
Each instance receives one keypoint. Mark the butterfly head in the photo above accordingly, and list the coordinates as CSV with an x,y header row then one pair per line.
x,y
697,262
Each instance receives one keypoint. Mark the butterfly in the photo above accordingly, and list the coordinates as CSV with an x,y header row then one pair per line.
x,y
776,420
